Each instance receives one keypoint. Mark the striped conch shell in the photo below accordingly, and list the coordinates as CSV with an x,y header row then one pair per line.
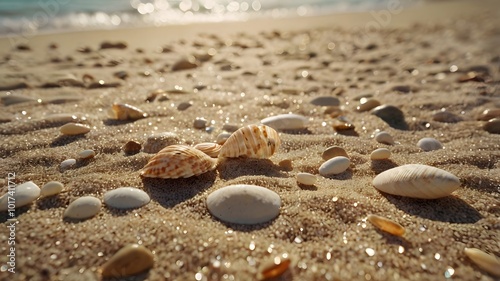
x,y
253,141
178,161
123,111
209,148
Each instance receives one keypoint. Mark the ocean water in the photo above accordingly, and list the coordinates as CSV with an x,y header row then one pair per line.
x,y
29,17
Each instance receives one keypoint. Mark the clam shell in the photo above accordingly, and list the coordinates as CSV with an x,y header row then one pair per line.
x,y
486,262
22,194
83,208
253,141
178,161
286,122
129,260
123,111
417,181
333,151
209,148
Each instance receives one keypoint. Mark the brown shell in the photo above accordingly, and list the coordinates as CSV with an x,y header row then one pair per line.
x,y
123,111
253,141
178,161
209,148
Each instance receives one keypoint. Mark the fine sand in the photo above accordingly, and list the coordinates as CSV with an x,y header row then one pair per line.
x,y
417,59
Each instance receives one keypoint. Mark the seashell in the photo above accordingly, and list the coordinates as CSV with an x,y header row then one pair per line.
x,y
68,163
429,144
384,137
334,166
486,262
417,181
51,188
492,126
21,195
178,161
123,111
325,101
333,151
286,122
386,225
489,114
83,208
129,260
131,147
200,123
222,138
157,142
126,198
86,154
244,204
366,104
74,129
380,154
209,148
273,269
253,141
306,178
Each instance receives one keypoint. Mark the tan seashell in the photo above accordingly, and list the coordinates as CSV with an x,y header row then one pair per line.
x,y
178,161
485,261
129,260
386,225
72,129
123,111
274,269
209,148
253,141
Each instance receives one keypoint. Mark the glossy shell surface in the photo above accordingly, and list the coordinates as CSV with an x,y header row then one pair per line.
x,y
209,148
286,122
386,225
123,111
253,141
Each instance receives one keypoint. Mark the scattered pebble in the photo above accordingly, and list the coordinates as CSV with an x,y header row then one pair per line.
x,y
244,204
131,147
306,178
492,126
113,45
123,111
68,163
126,198
333,151
15,99
51,188
334,166
157,142
333,111
286,122
129,260
286,164
342,125
384,137
380,154
74,129
83,208
417,181
489,114
23,195
392,115
386,225
274,268
209,148
366,104
325,101
446,117
222,138
185,64
184,105
200,123
230,128
86,154
485,261
429,144
252,141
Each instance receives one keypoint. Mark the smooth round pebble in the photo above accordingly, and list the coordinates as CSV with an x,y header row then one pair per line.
x,y
74,129
51,188
286,122
384,137
446,117
200,123
306,178
392,115
83,208
126,198
244,204
131,147
333,151
156,142
380,154
184,105
86,154
129,260
325,101
429,144
492,126
230,127
334,166
24,194
68,163
489,114
367,104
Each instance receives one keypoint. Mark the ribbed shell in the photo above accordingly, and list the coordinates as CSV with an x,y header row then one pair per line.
x,y
253,141
417,181
209,148
178,161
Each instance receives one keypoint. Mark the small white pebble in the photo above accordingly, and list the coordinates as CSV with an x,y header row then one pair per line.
x,y
68,163
51,188
74,129
380,154
384,137
306,178
429,144
86,154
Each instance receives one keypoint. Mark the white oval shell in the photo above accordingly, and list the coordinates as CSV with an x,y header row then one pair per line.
x,y
417,181
24,194
306,178
244,204
123,111
286,122
486,262
67,163
253,141
126,198
380,154
74,129
209,148
334,166
178,161
83,208
51,188
384,137
86,154
429,144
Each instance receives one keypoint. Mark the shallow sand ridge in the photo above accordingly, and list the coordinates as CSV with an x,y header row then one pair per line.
x,y
239,78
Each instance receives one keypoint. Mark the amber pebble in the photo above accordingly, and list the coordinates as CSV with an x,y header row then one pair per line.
x,y
492,126
132,147
278,266
386,225
488,114
339,125
367,104
129,260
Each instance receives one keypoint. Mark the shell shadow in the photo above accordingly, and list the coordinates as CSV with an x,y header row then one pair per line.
x,y
51,202
379,166
448,209
64,140
346,175
246,227
4,215
230,168
297,132
349,133
307,187
115,122
170,192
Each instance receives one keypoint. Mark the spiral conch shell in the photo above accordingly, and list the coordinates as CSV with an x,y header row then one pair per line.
x,y
178,161
253,141
209,148
123,111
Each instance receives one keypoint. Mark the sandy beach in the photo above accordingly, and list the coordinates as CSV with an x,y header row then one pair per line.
x,y
433,57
